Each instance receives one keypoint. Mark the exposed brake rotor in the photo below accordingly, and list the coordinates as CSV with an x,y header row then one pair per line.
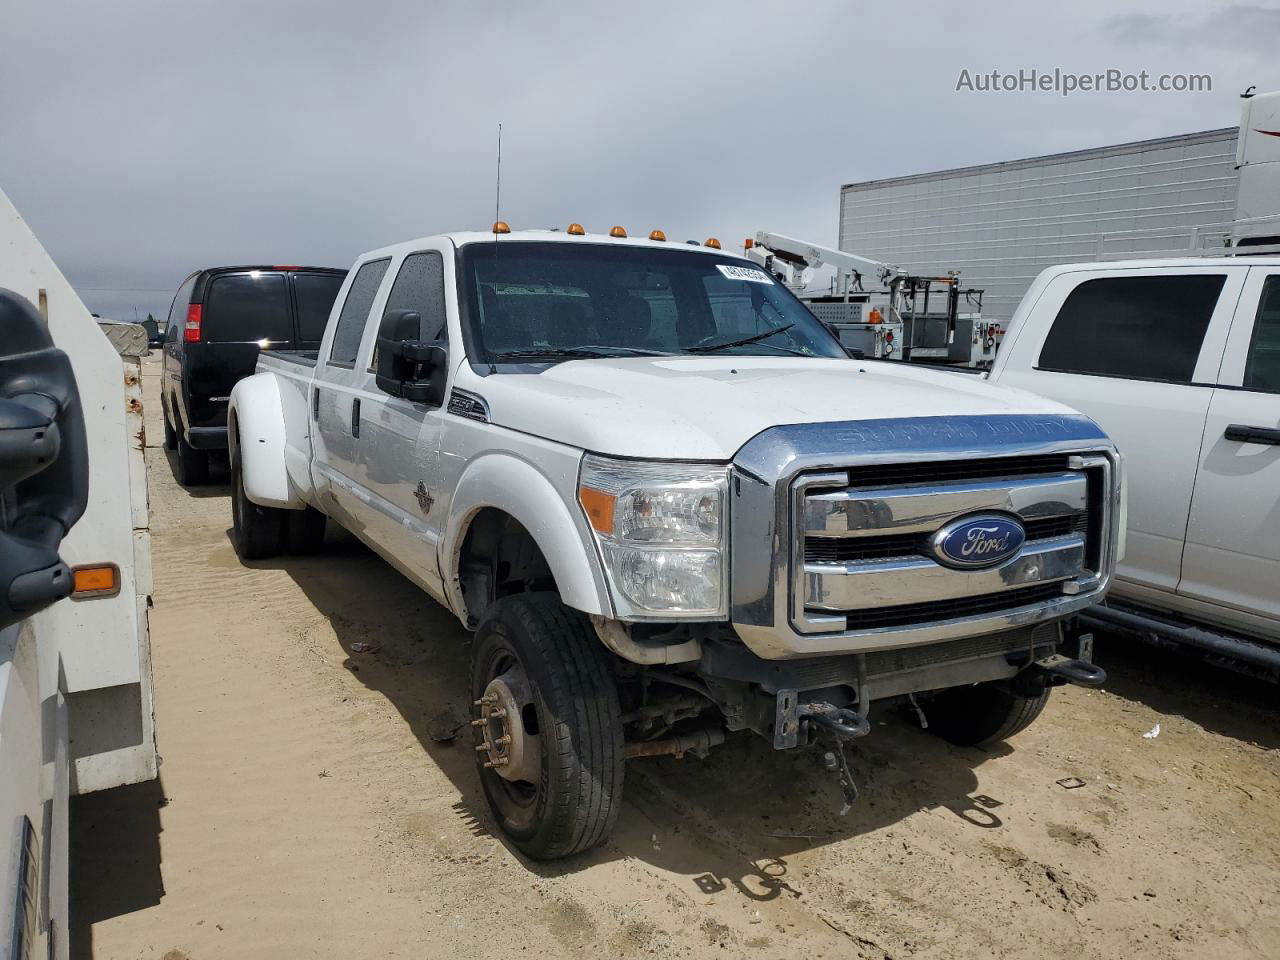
x,y
507,746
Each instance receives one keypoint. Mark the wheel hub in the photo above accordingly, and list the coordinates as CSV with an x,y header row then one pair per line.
x,y
506,746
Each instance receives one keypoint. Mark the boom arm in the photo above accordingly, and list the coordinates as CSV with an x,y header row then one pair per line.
x,y
799,254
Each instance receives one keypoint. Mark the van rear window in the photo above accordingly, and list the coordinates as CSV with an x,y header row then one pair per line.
x,y
315,293
243,307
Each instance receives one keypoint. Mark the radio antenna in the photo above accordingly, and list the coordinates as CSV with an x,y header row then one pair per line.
x,y
497,189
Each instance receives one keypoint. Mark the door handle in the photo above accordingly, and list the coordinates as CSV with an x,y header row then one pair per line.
x,y
1247,434
355,417
315,403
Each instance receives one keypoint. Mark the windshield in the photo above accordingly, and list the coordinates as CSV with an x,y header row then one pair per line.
x,y
532,302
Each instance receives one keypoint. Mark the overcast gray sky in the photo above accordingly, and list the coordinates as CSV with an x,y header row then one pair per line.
x,y
143,139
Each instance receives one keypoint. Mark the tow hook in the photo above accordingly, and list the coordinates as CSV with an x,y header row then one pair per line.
x,y
841,722
835,725
1057,669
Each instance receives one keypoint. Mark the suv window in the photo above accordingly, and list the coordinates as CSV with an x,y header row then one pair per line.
x,y
1262,371
1141,328
355,312
315,293
241,307
420,286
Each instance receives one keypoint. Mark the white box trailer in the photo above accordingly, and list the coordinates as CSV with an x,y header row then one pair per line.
x,y
75,677
1000,224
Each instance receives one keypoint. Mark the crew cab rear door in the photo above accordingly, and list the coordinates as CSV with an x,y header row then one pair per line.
x,y
337,392
1232,554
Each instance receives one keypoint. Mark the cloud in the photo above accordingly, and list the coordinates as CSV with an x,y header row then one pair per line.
x,y
143,139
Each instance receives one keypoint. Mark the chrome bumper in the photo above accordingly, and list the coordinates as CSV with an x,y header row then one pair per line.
x,y
825,533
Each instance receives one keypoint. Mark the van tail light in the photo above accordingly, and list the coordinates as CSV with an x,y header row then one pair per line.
x,y
191,332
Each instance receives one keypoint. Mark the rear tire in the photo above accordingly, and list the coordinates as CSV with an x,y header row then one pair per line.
x,y
257,532
983,713
193,464
574,715
304,530
170,435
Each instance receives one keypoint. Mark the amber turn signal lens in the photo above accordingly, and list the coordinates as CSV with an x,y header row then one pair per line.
x,y
95,580
617,232
575,230
599,507
501,227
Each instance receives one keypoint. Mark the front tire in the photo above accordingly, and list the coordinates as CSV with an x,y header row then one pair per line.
x,y
256,532
543,663
982,714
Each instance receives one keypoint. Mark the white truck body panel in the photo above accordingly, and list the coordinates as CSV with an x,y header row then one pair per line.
x,y
1258,160
75,679
1204,510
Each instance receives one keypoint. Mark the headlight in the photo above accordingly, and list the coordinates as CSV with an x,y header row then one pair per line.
x,y
660,527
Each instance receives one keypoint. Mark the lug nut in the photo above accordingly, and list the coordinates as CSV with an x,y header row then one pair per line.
x,y
497,714
480,723
500,762
503,740
482,747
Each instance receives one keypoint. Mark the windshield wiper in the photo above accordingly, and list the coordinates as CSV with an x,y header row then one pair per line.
x,y
741,342
574,353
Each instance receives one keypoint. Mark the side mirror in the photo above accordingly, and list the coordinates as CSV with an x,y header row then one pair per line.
x,y
405,366
44,462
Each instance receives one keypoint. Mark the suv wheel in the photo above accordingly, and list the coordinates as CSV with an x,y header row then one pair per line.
x,y
983,713
549,733
193,464
257,532
170,435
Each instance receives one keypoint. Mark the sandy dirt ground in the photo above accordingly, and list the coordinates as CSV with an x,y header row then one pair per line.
x,y
311,805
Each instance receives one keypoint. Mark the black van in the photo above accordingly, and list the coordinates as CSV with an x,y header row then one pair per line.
x,y
221,317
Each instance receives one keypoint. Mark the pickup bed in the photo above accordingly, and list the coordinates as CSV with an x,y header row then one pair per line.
x,y
671,507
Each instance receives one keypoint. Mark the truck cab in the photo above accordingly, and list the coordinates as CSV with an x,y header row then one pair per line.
x,y
672,508
1179,360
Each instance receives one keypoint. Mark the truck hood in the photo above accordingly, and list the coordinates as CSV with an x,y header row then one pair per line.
x,y
706,408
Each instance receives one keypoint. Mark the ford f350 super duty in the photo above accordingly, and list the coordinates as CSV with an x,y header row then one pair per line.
x,y
670,506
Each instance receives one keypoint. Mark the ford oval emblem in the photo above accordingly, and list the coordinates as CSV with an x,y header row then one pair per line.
x,y
978,541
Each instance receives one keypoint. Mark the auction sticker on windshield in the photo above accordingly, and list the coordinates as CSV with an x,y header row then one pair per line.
x,y
750,274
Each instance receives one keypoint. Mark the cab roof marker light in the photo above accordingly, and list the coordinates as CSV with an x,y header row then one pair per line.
x,y
617,232
500,226
575,230
713,243
658,235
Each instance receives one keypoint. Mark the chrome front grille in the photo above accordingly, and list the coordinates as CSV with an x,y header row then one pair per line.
x,y
829,523
862,556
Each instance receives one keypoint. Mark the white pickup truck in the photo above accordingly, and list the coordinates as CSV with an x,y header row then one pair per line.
x,y
1179,361
670,506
